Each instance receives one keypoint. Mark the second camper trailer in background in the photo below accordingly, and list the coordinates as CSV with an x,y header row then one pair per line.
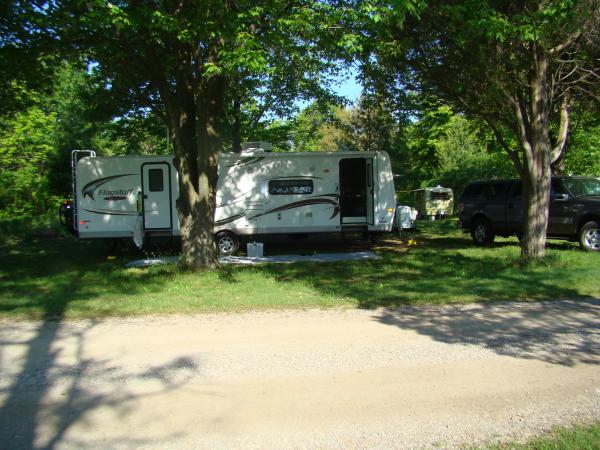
x,y
258,193
434,202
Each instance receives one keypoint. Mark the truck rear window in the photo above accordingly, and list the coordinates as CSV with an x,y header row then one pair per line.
x,y
486,191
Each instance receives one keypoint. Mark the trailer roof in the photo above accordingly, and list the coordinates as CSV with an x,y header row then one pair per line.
x,y
160,157
252,154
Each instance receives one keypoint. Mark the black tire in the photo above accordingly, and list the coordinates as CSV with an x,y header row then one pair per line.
x,y
482,233
589,237
227,243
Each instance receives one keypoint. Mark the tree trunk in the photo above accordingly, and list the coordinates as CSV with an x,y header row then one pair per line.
x,y
196,128
194,102
536,193
196,203
196,218
536,173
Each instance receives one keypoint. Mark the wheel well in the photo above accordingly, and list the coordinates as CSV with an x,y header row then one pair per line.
x,y
586,219
480,216
222,232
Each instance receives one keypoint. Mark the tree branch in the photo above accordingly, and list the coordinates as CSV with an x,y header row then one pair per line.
x,y
512,154
563,130
567,43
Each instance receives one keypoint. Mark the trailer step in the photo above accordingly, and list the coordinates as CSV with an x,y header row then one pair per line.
x,y
355,233
355,228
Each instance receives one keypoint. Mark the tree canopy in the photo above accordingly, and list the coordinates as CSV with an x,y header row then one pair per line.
x,y
186,59
518,66
443,82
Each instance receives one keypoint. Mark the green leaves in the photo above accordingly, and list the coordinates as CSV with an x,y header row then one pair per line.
x,y
25,147
117,16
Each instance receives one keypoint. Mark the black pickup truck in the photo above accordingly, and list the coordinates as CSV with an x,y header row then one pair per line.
x,y
494,208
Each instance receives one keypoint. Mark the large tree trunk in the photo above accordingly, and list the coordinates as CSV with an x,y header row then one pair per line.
x,y
536,193
195,124
197,204
535,176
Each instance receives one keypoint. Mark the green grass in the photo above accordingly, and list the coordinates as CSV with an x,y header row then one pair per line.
x,y
579,437
46,225
44,277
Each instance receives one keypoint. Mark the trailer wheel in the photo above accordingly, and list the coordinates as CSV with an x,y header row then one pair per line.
x,y
227,243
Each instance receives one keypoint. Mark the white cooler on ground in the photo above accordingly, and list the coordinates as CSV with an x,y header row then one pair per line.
x,y
255,250
405,216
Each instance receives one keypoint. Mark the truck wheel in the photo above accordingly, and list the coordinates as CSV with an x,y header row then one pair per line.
x,y
589,237
227,243
482,233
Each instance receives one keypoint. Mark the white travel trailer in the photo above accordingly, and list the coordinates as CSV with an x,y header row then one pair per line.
x,y
258,193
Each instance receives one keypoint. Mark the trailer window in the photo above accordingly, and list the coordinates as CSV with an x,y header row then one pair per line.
x,y
155,180
290,187
440,196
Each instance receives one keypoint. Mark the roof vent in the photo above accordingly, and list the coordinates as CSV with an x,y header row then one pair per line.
x,y
257,146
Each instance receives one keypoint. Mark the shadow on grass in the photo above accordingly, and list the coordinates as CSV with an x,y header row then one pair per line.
x,y
32,414
449,269
431,276
41,279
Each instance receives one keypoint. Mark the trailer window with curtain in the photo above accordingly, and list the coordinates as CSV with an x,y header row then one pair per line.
x,y
440,196
290,187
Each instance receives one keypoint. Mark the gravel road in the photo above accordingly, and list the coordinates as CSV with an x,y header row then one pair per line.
x,y
407,378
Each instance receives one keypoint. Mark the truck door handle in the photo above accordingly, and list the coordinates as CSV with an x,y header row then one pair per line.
x,y
145,197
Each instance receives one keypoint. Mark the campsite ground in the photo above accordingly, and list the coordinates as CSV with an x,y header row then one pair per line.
x,y
385,353
44,277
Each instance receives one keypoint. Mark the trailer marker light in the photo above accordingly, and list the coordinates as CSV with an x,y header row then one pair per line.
x,y
390,210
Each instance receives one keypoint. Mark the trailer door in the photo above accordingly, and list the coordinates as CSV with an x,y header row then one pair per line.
x,y
370,192
353,191
156,194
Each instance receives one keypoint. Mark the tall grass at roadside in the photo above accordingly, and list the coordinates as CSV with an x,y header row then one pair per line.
x,y
582,437
40,276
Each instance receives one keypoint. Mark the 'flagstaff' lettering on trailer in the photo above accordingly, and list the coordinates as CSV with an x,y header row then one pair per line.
x,y
115,193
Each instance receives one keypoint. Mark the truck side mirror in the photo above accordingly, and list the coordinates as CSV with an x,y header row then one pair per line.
x,y
560,197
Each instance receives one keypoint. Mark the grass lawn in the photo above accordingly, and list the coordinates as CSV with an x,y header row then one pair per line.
x,y
573,438
45,277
